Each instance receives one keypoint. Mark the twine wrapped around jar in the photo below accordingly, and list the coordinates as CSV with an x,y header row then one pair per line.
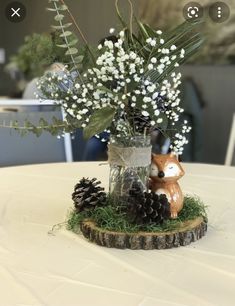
x,y
129,161
129,156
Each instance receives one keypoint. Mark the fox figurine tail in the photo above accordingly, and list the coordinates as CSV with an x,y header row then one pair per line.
x,y
165,172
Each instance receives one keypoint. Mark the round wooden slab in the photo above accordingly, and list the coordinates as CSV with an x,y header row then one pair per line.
x,y
188,232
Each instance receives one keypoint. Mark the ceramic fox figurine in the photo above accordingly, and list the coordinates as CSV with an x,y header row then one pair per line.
x,y
165,172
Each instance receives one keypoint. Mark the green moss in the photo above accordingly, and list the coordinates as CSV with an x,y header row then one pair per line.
x,y
108,217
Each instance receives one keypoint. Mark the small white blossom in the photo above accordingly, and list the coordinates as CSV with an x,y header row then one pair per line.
x,y
145,113
153,43
153,60
155,95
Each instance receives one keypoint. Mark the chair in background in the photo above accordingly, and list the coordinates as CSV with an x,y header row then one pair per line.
x,y
230,155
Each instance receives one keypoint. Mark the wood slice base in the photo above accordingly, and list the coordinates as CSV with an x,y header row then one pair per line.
x,y
190,231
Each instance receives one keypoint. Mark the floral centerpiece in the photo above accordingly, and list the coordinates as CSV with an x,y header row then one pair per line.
x,y
127,87
130,88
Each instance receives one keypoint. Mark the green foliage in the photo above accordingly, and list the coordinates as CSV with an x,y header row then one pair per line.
x,y
69,40
54,127
99,121
185,36
110,218
182,36
81,59
37,53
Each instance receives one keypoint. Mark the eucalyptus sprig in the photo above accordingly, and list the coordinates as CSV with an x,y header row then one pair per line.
x,y
69,41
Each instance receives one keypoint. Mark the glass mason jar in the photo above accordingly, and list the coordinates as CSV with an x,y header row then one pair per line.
x,y
129,161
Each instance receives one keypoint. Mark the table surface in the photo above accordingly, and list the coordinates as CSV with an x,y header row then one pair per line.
x,y
37,268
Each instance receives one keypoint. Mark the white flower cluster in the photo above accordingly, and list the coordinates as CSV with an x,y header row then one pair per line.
x,y
180,140
121,79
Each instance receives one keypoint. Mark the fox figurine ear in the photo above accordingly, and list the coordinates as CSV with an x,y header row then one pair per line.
x,y
153,155
173,154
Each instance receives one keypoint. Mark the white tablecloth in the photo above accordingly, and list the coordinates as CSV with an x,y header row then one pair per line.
x,y
64,269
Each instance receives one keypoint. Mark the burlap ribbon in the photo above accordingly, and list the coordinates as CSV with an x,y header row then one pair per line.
x,y
130,156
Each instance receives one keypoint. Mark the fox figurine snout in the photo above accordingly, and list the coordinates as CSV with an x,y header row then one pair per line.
x,y
165,172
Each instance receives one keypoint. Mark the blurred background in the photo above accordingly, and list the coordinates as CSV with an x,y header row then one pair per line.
x,y
27,48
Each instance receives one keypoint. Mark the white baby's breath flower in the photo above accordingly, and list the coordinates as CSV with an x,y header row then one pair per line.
x,y
159,32
133,98
153,43
145,113
147,99
155,95
157,112
146,82
162,41
111,30
151,88
133,55
153,60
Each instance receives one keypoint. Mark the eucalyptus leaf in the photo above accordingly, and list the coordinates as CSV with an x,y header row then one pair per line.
x,y
71,51
63,7
99,121
64,26
79,59
59,17
15,124
66,33
59,8
62,46
51,9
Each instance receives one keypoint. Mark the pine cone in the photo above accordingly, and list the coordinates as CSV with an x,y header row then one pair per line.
x,y
88,195
147,207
